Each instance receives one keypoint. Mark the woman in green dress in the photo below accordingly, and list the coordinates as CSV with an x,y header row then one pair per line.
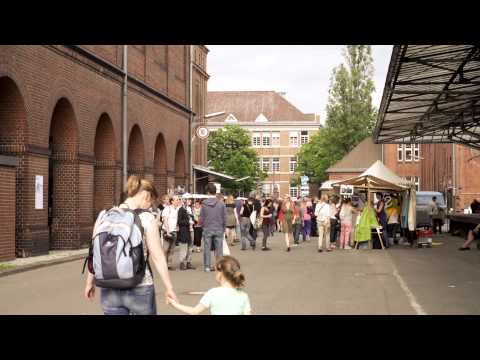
x,y
288,220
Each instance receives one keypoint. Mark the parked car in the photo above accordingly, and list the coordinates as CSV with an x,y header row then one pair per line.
x,y
424,199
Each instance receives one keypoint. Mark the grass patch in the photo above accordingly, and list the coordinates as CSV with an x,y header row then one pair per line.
x,y
6,266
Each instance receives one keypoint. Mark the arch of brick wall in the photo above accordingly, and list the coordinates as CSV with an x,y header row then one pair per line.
x,y
13,140
160,165
105,165
180,164
63,144
136,152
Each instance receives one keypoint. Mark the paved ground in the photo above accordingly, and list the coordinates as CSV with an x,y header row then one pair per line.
x,y
401,280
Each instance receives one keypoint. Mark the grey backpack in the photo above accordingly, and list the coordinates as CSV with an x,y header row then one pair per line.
x,y
116,256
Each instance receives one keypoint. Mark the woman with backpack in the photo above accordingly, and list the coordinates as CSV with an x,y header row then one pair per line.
x,y
139,299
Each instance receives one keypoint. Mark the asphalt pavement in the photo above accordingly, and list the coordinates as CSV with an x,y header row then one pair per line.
x,y
398,281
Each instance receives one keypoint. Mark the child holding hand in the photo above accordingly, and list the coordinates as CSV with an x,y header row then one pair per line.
x,y
228,298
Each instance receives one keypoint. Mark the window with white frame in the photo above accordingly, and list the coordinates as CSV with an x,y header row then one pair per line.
x,y
259,164
416,152
293,138
294,192
256,139
399,152
276,138
293,164
266,139
276,164
408,152
276,188
303,137
266,164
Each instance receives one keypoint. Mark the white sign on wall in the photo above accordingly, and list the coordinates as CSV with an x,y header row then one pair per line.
x,y
38,192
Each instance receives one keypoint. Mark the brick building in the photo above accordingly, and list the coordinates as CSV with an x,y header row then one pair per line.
x,y
452,169
432,167
278,129
403,160
61,122
356,161
200,80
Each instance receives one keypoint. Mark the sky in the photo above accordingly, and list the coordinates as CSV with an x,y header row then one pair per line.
x,y
302,72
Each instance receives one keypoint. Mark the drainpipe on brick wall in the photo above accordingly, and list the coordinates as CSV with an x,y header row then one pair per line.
x,y
124,116
190,139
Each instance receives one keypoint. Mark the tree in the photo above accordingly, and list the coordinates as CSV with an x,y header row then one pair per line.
x,y
229,152
350,114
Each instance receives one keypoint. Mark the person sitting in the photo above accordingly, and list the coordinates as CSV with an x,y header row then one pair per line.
x,y
473,234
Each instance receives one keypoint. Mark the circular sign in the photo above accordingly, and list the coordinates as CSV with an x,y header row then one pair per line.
x,y
202,132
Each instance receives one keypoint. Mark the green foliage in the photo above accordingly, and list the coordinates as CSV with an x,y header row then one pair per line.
x,y
350,114
229,152
295,180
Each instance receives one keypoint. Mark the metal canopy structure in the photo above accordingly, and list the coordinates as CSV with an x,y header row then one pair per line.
x,y
431,95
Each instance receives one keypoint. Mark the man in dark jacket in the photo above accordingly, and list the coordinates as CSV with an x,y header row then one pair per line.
x,y
213,218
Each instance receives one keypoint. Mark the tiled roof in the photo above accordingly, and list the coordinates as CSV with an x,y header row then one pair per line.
x,y
360,158
246,106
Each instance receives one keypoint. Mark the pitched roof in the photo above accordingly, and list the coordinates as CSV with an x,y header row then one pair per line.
x,y
246,106
360,158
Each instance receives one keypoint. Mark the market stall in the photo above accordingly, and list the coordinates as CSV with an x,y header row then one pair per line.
x,y
379,178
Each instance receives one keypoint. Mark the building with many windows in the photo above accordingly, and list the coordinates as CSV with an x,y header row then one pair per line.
x,y
278,129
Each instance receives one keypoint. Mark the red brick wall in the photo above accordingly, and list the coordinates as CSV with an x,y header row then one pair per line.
x,y
46,74
7,213
401,168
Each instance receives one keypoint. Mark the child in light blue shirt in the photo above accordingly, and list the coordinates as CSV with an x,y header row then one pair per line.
x,y
228,298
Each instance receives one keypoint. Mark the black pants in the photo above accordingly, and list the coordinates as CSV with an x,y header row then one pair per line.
x,y
392,232
333,231
197,236
435,223
266,228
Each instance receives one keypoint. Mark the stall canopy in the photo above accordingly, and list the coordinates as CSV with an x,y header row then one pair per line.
x,y
377,177
328,185
431,95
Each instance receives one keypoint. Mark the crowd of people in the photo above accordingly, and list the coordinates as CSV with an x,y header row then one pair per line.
x,y
180,226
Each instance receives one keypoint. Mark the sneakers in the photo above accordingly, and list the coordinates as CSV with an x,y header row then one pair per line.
x,y
172,268
190,266
207,270
266,249
288,249
295,244
320,250
464,248
347,247
183,266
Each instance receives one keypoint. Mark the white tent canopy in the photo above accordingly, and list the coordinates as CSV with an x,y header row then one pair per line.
x,y
327,185
377,176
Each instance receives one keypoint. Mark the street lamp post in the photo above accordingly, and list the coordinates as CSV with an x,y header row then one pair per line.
x,y
193,124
